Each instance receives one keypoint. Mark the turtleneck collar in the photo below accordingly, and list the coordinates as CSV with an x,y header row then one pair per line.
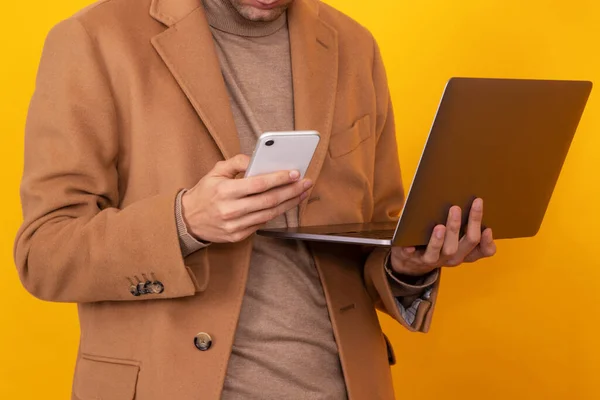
x,y
223,16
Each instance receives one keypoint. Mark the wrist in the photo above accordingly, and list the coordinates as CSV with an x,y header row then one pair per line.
x,y
408,279
186,208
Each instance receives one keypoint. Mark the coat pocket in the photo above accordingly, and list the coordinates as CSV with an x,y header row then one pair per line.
x,y
342,143
105,378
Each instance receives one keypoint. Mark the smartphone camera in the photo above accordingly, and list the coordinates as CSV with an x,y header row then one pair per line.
x,y
269,142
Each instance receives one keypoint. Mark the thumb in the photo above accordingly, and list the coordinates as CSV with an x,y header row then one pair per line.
x,y
232,167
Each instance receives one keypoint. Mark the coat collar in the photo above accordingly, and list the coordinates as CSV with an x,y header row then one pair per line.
x,y
169,12
188,50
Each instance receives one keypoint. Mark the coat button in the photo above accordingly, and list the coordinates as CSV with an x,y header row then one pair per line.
x,y
141,288
203,341
133,289
157,287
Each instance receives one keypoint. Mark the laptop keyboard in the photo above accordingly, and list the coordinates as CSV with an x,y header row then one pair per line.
x,y
376,234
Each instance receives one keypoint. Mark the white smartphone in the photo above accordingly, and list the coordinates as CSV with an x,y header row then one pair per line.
x,y
283,151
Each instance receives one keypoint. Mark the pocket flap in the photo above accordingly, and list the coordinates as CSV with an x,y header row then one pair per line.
x,y
104,378
343,143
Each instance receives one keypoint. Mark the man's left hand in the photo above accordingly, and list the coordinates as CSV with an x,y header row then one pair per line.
x,y
446,248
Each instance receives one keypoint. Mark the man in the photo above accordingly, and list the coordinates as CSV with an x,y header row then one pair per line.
x,y
142,121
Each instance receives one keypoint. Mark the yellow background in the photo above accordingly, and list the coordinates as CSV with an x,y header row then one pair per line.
x,y
523,326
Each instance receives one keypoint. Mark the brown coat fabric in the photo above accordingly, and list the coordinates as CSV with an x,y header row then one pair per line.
x,y
130,107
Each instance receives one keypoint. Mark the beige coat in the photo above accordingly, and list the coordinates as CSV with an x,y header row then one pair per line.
x,y
130,107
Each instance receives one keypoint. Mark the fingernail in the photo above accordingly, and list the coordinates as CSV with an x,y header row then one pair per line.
x,y
439,234
294,175
308,184
478,204
303,196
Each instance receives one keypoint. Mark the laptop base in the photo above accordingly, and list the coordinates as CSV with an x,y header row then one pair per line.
x,y
369,234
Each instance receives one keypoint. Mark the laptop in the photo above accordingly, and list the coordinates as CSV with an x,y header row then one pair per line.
x,y
504,140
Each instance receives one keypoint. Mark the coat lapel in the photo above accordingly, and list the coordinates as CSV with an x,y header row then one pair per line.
x,y
188,50
314,49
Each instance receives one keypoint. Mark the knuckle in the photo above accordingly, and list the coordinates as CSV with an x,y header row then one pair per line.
x,y
429,259
232,239
243,210
284,176
473,238
489,251
230,228
273,213
258,185
437,245
448,252
476,217
222,212
238,160
454,227
220,165
229,239
270,201
452,263
299,189
280,178
228,214
263,217
237,237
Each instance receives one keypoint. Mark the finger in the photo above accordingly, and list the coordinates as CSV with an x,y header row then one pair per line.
x,y
407,261
262,183
273,198
431,255
238,208
243,234
232,167
403,253
452,237
263,216
408,251
486,248
488,245
472,235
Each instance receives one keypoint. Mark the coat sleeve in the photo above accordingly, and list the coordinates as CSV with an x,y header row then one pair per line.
x,y
75,244
388,196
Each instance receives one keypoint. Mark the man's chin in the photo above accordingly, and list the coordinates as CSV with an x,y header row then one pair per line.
x,y
258,15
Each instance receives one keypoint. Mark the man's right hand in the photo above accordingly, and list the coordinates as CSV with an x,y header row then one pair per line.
x,y
223,209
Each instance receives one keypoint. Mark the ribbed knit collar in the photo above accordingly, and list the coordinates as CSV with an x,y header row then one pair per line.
x,y
223,16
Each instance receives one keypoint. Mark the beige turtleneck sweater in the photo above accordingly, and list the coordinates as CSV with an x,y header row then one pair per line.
x,y
284,346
